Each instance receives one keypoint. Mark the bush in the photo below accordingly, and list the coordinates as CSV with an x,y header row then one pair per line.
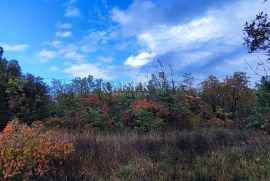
x,y
261,116
29,152
92,116
146,122
158,109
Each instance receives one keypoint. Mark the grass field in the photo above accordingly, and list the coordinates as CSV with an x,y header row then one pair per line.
x,y
198,154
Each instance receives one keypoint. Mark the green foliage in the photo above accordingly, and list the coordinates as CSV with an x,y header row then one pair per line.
x,y
66,105
146,121
261,115
257,35
22,96
15,86
93,116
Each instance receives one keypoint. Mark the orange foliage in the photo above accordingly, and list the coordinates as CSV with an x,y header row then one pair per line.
x,y
91,101
27,152
158,109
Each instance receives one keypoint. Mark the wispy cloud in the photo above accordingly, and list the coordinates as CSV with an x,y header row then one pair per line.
x,y
65,26
14,47
54,68
54,44
106,59
74,55
69,52
83,70
46,54
63,34
72,10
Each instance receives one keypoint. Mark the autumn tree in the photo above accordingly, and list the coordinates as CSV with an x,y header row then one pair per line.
x,y
238,98
21,96
211,92
231,95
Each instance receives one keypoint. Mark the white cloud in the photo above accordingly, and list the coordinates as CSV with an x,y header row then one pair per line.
x,y
105,59
65,26
94,41
216,33
162,39
83,70
131,19
72,11
85,48
96,37
119,16
55,44
63,34
71,51
74,55
47,54
139,60
53,68
14,48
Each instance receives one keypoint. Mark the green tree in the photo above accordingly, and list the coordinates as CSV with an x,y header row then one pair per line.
x,y
257,39
22,96
146,121
257,35
261,115
1,52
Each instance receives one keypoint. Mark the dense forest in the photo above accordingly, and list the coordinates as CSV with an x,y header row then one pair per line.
x,y
88,130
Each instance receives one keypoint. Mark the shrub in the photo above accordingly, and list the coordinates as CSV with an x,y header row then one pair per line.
x,y
146,122
92,116
158,109
62,122
90,101
29,152
261,116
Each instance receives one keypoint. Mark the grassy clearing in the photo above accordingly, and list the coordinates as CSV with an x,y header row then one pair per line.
x,y
199,154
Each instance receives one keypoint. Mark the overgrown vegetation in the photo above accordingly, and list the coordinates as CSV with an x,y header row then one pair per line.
x,y
157,131
88,130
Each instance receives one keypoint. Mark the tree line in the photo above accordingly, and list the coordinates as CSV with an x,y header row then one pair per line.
x,y
83,104
161,104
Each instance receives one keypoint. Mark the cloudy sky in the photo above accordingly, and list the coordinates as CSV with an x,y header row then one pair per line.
x,y
122,39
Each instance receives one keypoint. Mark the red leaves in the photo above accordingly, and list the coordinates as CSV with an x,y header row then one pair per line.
x,y
159,109
110,122
90,101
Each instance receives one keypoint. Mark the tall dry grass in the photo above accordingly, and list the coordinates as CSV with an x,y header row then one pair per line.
x,y
103,156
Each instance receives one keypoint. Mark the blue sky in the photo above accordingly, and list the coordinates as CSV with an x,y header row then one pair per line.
x,y
122,39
